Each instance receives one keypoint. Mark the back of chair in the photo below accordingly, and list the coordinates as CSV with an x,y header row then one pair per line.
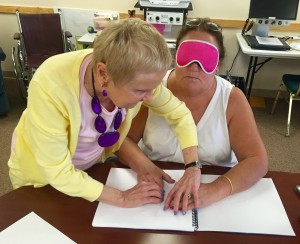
x,y
4,105
292,83
42,36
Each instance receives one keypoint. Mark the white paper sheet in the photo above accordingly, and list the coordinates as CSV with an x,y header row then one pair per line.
x,y
274,41
150,216
32,229
257,210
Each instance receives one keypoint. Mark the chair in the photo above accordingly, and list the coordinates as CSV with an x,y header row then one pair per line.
x,y
292,84
41,36
4,105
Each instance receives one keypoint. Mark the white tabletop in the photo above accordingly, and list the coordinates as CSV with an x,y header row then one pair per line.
x,y
265,53
87,39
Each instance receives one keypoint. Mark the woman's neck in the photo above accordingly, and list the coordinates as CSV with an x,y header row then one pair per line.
x,y
197,102
88,83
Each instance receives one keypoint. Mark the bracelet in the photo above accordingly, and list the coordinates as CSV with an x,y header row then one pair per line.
x,y
231,186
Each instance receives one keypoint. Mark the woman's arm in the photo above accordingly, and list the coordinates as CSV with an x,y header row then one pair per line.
x,y
188,184
140,194
248,148
138,125
246,143
131,155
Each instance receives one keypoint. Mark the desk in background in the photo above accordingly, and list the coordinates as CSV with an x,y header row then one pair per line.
x,y
74,216
254,54
87,39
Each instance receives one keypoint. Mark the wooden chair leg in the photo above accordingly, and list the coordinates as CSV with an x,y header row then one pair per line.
x,y
289,116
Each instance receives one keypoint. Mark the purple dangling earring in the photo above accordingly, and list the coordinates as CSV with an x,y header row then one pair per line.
x,y
104,93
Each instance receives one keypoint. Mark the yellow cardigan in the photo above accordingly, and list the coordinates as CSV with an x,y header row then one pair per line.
x,y
47,133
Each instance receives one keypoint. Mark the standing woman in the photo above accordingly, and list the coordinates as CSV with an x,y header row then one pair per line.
x,y
80,108
226,128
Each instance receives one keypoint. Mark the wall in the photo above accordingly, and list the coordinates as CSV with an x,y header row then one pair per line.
x,y
268,78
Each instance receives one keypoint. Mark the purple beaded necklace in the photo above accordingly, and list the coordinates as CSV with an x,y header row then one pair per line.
x,y
106,139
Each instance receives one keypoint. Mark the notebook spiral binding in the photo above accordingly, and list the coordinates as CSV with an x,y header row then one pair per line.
x,y
195,219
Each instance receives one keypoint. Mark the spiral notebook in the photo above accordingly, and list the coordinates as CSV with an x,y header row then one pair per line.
x,y
150,216
257,210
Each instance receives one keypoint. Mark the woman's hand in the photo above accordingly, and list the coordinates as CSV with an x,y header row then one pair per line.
x,y
209,193
186,188
152,173
142,193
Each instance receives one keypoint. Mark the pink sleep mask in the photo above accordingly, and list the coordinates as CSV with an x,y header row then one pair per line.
x,y
204,53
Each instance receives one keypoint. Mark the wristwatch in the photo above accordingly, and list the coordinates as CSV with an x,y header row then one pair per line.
x,y
193,164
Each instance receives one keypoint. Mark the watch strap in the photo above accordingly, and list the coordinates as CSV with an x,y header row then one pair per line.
x,y
193,164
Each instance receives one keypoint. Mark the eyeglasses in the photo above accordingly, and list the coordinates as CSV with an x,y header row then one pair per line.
x,y
106,139
197,22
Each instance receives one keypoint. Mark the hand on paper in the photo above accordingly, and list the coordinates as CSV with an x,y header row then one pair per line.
x,y
208,194
178,197
142,193
152,173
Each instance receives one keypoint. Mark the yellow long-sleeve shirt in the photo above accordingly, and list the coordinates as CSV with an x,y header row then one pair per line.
x,y
47,133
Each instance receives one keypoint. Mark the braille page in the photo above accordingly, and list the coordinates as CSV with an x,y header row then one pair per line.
x,y
150,216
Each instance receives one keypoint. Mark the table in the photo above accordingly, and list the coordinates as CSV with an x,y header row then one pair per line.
x,y
254,54
87,39
73,216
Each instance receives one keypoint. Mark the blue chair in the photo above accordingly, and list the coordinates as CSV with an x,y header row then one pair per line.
x,y
292,84
4,105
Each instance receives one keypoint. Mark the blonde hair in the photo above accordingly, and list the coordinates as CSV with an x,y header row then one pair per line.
x,y
131,47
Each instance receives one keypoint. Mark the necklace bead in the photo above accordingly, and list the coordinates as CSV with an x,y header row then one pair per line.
x,y
106,139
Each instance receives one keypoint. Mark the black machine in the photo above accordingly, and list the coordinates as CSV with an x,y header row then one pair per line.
x,y
266,13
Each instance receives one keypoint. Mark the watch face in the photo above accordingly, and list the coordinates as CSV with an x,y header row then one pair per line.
x,y
193,164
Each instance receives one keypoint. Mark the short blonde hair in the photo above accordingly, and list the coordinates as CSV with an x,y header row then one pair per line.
x,y
131,47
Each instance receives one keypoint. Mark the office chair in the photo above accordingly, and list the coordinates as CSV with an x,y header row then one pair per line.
x,y
41,36
292,84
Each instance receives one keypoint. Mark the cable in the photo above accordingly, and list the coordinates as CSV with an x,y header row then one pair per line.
x,y
245,25
234,60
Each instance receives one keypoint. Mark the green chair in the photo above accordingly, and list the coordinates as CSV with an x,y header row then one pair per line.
x,y
292,84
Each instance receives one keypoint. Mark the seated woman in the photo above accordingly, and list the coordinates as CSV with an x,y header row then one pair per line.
x,y
227,132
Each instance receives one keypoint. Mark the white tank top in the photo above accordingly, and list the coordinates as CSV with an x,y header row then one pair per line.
x,y
160,143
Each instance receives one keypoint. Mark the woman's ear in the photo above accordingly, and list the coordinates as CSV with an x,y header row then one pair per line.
x,y
101,73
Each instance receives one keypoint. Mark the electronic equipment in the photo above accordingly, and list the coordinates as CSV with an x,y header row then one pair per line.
x,y
167,12
254,43
176,4
167,16
271,13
